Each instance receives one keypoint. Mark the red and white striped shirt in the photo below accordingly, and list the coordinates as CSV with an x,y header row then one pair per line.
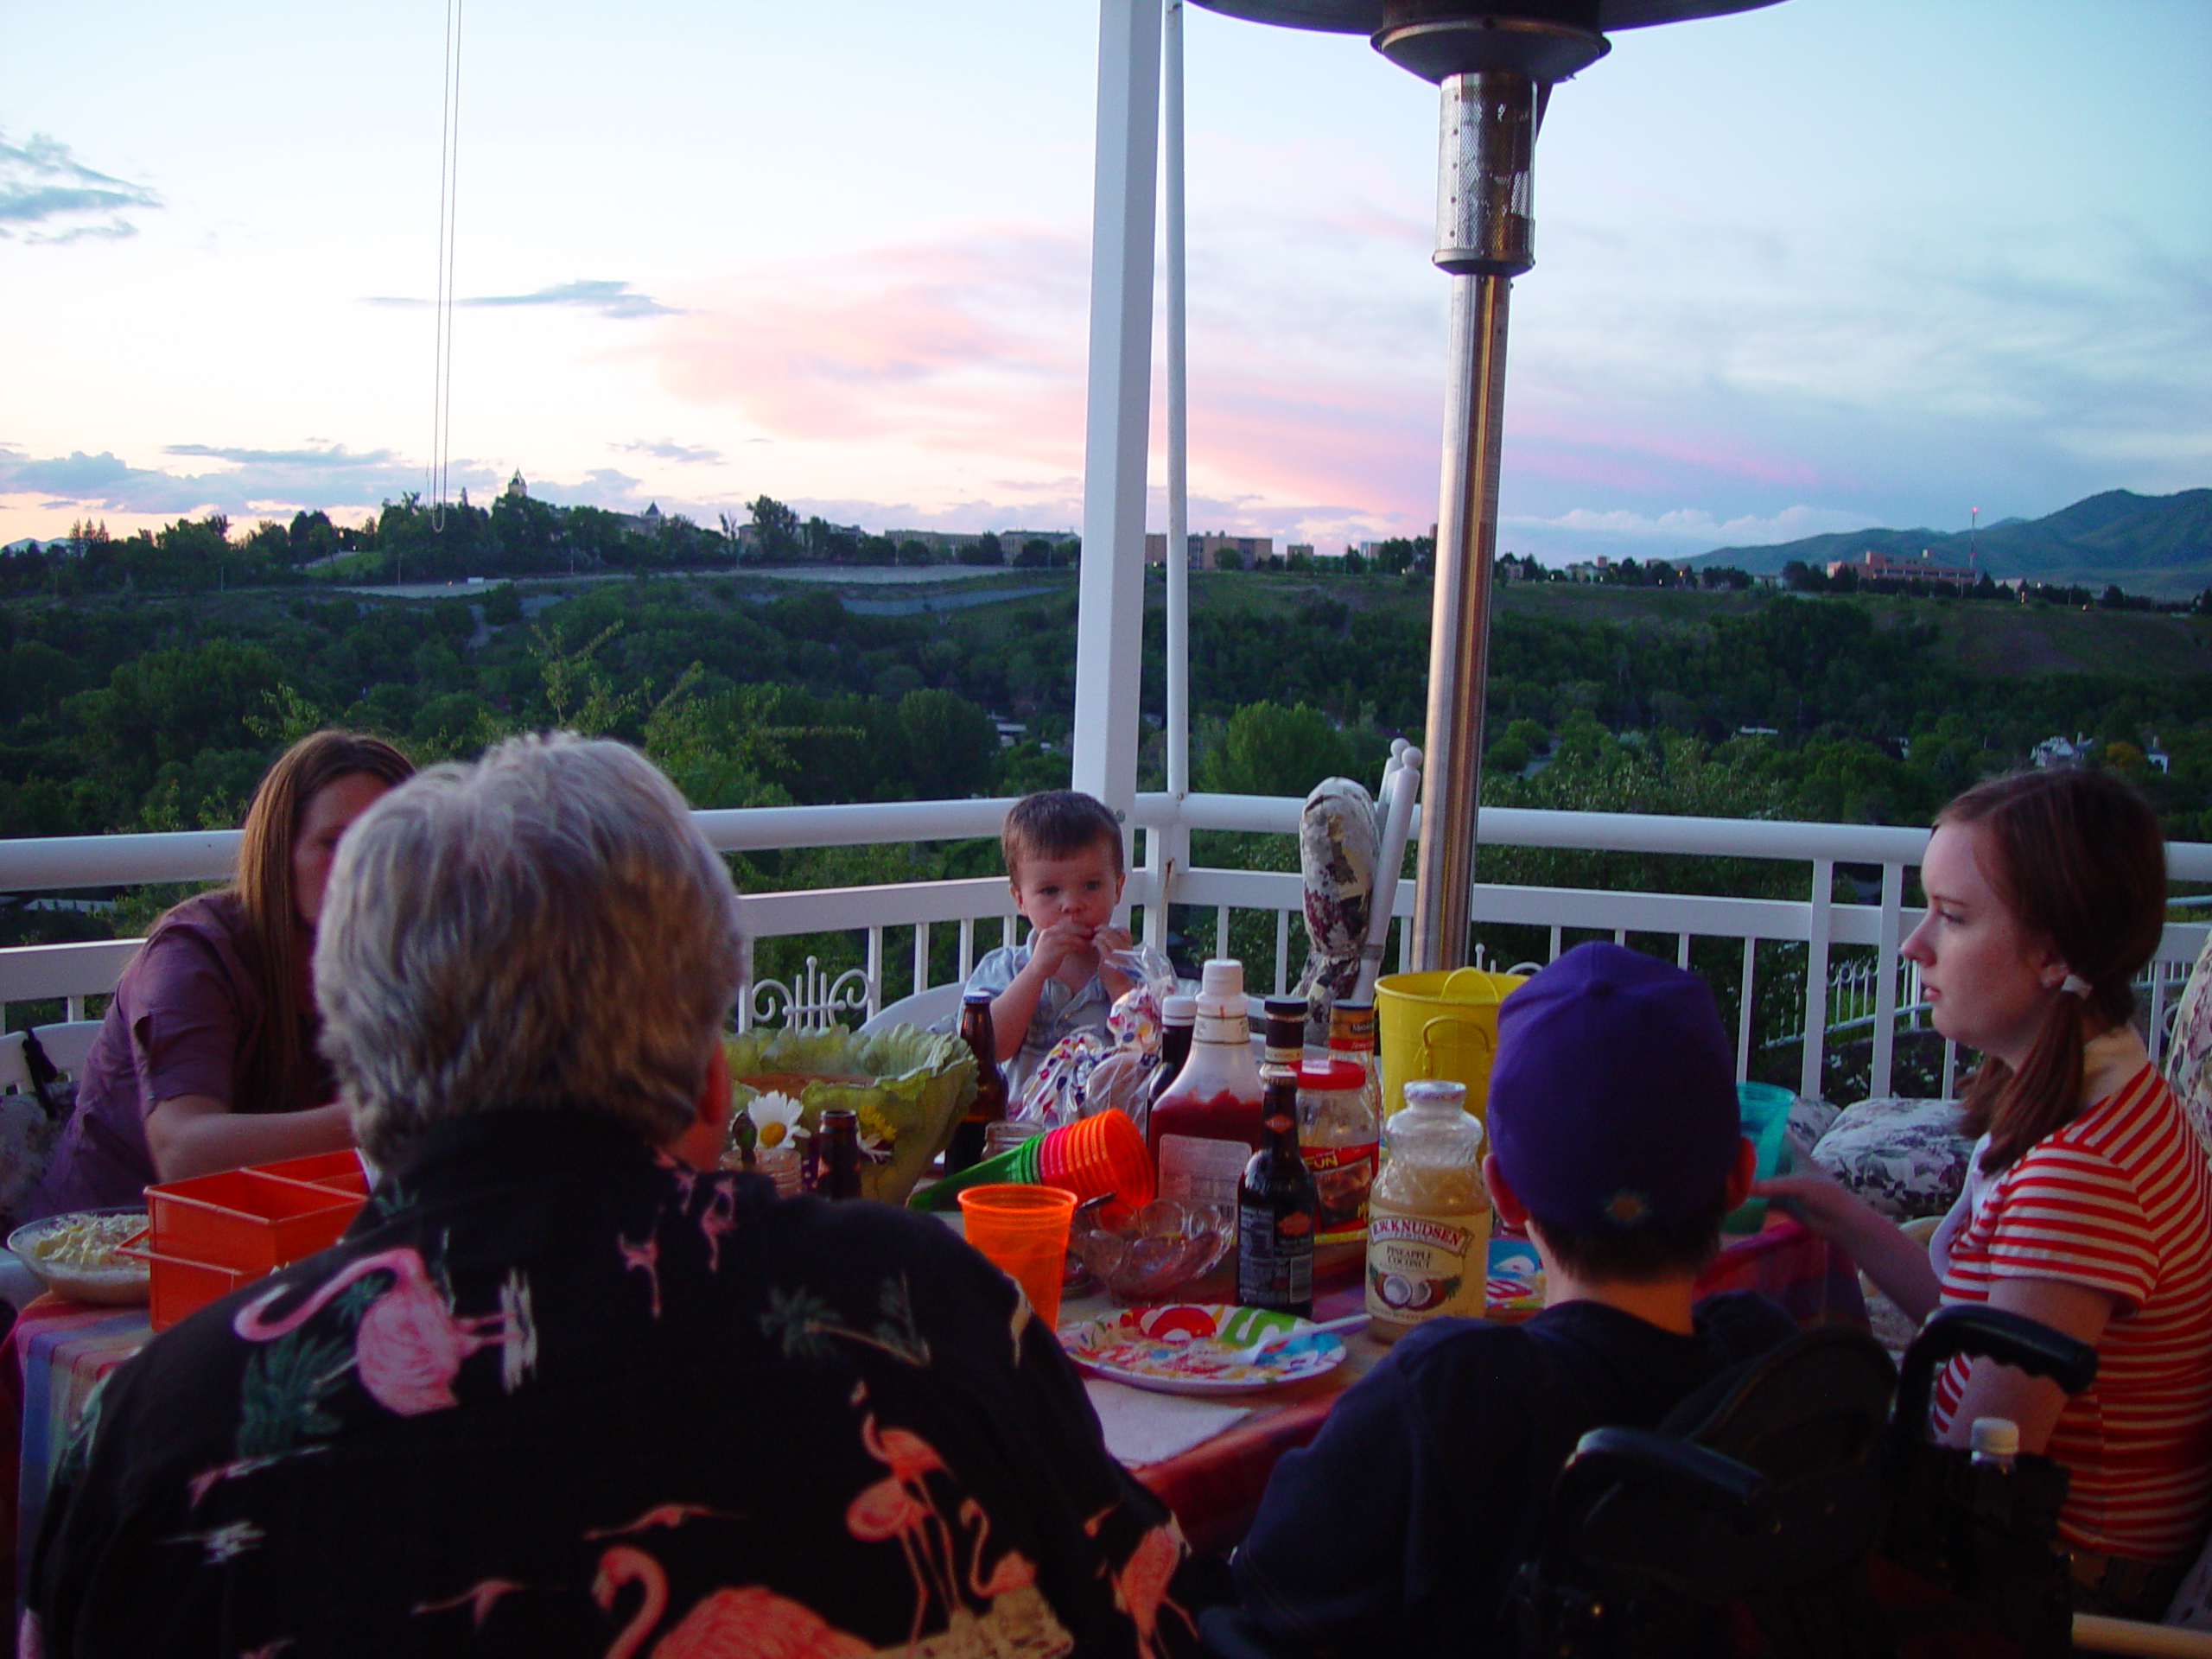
x,y
2119,1200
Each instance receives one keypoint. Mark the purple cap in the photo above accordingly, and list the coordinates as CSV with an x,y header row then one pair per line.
x,y
1613,1097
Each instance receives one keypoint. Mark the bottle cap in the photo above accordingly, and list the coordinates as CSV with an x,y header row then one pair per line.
x,y
1996,1437
1437,1091
971,998
1222,976
1332,1075
1180,1009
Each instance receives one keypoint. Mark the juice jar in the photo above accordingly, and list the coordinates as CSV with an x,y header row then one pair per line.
x,y
1206,1124
1428,1215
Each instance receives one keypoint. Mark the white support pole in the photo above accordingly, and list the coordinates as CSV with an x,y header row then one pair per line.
x,y
1816,977
1179,429
1885,981
1109,627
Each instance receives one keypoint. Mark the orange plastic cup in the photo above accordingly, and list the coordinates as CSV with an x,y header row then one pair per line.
x,y
1095,1155
1023,1231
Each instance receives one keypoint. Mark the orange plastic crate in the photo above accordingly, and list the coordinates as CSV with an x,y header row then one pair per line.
x,y
340,1171
246,1219
179,1286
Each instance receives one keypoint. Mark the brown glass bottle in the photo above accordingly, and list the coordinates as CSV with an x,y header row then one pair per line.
x,y
1179,1017
990,1103
1285,1029
1277,1206
840,1138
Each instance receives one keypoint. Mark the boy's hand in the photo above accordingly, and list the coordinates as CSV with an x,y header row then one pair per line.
x,y
1106,942
1050,948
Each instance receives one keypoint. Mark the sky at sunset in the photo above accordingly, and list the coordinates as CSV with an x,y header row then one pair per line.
x,y
1836,263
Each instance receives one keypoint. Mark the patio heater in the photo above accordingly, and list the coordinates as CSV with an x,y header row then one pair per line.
x,y
1496,65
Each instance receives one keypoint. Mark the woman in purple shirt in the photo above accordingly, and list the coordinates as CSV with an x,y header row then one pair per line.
x,y
207,1058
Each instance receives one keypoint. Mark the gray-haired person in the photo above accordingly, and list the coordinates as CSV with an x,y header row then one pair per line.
x,y
560,1390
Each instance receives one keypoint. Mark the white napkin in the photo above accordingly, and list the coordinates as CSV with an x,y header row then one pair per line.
x,y
1142,1427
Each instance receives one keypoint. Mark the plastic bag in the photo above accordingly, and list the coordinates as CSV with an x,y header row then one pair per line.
x,y
1085,1073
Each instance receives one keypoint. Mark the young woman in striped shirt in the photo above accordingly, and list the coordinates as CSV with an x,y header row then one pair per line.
x,y
2089,1200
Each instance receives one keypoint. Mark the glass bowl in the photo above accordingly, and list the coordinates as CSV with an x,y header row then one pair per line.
x,y
1145,1255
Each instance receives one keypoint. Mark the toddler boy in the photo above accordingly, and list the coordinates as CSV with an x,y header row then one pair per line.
x,y
1614,1141
1063,864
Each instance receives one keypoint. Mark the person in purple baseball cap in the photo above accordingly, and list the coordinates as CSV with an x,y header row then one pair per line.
x,y
1614,1140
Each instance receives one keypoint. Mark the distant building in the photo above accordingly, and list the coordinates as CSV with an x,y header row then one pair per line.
x,y
517,490
2055,753
2156,754
1204,551
1872,566
1298,550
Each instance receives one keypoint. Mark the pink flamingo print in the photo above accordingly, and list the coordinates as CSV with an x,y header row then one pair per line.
x,y
207,1479
664,1514
644,1257
747,1622
718,1221
899,1506
409,1344
1141,1585
1014,1571
479,1599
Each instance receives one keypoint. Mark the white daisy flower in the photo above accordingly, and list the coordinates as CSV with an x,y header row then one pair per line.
x,y
775,1120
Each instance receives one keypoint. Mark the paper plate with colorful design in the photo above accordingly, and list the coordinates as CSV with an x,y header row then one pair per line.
x,y
1201,1348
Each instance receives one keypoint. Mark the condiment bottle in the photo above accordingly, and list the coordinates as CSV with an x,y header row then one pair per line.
x,y
1207,1122
1995,1442
1340,1121
1428,1217
839,1141
1177,1014
989,1105
1276,1205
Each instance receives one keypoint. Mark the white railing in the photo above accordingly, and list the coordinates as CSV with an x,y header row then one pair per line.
x,y
894,930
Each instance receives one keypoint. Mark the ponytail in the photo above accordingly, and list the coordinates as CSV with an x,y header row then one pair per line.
x,y
2079,859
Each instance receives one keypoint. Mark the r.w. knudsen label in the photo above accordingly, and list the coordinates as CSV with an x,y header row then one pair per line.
x,y
1420,1265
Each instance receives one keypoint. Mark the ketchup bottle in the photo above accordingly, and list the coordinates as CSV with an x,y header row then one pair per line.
x,y
1207,1124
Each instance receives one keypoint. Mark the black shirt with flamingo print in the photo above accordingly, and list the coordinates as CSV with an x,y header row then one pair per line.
x,y
554,1394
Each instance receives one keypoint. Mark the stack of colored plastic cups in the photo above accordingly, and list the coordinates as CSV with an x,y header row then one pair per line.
x,y
1099,1156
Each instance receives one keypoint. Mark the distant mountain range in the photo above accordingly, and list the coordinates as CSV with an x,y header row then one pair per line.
x,y
2157,544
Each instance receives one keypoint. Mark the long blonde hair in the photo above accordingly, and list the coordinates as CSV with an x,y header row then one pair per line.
x,y
272,1071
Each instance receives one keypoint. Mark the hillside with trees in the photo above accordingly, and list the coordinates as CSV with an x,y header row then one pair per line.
x,y
2154,544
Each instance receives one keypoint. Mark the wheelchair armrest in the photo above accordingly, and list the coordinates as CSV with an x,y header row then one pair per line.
x,y
1986,1333
1704,1479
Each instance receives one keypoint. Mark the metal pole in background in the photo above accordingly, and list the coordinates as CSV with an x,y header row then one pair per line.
x,y
1485,237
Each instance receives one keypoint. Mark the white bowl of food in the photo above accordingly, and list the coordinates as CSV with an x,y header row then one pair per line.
x,y
79,1254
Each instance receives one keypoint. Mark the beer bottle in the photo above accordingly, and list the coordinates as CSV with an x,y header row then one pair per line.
x,y
990,1103
1277,1207
840,1138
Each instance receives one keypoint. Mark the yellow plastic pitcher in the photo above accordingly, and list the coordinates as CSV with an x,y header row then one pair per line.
x,y
1440,1025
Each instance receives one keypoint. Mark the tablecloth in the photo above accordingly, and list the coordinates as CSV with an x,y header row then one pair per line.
x,y
57,1352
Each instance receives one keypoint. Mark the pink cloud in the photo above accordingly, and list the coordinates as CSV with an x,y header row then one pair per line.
x,y
976,345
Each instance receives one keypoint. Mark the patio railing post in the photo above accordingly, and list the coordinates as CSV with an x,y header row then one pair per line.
x,y
1110,630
